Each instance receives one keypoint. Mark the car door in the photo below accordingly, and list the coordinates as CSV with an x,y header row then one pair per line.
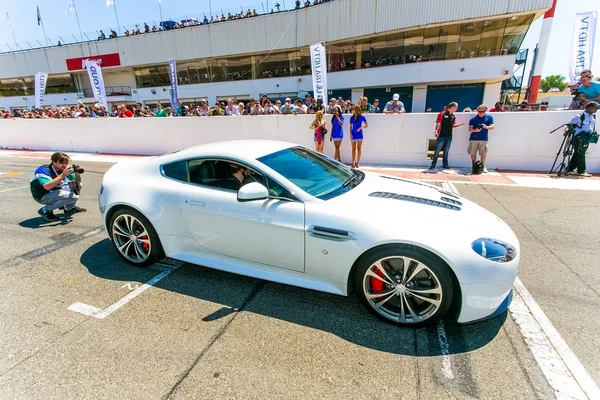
x,y
267,231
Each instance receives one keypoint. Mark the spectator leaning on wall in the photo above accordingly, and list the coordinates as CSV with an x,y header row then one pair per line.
x,y
395,106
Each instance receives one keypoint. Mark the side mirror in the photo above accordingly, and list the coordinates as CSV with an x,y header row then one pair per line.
x,y
252,191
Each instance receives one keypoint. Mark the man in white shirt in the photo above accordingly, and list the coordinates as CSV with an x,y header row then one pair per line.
x,y
585,126
300,107
231,109
395,106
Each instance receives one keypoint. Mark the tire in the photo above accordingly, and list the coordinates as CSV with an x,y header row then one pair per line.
x,y
146,250
415,296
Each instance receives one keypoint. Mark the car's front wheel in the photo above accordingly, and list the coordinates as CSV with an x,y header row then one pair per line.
x,y
134,237
404,285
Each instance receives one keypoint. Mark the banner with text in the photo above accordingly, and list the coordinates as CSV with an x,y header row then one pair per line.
x,y
174,88
41,78
582,46
97,80
318,59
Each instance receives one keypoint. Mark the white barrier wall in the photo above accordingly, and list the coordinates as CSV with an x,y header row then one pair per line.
x,y
521,141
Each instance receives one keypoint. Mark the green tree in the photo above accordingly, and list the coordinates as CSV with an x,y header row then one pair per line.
x,y
554,81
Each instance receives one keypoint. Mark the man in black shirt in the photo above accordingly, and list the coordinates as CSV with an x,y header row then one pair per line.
x,y
443,132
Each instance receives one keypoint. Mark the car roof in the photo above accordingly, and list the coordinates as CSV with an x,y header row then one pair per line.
x,y
239,149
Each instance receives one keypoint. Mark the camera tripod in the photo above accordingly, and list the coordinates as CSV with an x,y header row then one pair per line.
x,y
566,149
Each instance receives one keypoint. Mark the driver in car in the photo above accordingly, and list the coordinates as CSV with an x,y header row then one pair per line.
x,y
236,180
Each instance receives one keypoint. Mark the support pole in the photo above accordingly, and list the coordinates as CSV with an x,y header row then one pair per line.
x,y
536,77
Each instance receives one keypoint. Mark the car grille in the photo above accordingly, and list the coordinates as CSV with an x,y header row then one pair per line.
x,y
444,202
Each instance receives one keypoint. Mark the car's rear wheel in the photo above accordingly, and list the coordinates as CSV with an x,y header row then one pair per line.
x,y
404,285
134,238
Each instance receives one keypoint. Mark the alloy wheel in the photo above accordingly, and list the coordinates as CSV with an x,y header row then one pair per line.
x,y
402,289
131,238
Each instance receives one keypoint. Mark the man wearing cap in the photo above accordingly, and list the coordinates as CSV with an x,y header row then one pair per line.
x,y
375,109
395,106
287,108
585,126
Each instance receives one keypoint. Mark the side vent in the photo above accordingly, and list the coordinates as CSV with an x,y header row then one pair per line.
x,y
446,203
456,202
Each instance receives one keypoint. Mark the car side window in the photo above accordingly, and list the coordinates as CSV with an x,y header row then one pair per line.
x,y
276,190
176,170
222,174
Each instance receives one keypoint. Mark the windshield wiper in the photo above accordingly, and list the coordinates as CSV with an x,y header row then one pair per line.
x,y
352,178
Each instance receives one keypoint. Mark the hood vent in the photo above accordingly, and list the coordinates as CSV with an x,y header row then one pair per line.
x,y
444,202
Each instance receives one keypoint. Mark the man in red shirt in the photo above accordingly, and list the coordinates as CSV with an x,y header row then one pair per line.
x,y
438,121
443,132
497,108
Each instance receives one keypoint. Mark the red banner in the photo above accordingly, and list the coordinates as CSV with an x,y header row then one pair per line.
x,y
104,60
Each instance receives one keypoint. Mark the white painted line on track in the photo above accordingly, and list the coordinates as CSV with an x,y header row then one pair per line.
x,y
101,314
579,379
17,188
84,309
446,360
563,371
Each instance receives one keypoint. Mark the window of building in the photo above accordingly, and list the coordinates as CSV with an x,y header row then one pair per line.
x,y
432,49
516,29
373,51
449,41
300,62
491,37
232,69
61,83
470,39
157,75
395,47
465,40
413,46
273,66
193,72
341,56
16,87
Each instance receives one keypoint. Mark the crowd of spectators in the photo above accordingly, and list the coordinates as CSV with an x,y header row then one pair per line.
x,y
168,25
587,91
262,106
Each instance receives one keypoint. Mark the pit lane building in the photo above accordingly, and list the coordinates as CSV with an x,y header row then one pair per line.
x,y
428,51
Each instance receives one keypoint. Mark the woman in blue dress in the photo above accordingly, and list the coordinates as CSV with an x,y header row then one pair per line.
x,y
337,134
356,134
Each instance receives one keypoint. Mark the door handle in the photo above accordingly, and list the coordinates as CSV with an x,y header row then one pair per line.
x,y
197,203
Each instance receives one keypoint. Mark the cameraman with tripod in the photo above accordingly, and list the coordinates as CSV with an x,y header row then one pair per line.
x,y
57,185
583,128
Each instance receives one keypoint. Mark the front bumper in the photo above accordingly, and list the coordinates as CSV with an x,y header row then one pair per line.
x,y
484,300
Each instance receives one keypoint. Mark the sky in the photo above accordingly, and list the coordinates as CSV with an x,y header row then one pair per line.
x,y
94,15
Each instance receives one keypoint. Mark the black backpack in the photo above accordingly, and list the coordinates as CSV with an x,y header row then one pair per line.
x,y
477,168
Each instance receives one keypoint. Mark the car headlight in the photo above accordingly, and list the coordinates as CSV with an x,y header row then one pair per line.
x,y
494,250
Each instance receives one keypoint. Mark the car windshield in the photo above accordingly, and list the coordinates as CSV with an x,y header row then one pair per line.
x,y
312,172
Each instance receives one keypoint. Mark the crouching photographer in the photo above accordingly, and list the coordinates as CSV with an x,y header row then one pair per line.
x,y
57,186
583,128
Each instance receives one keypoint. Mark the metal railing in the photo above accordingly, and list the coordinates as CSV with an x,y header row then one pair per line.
x,y
88,37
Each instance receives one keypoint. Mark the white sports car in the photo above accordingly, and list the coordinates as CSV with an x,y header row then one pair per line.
x,y
281,212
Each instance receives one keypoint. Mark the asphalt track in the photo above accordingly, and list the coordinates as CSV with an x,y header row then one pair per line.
x,y
199,333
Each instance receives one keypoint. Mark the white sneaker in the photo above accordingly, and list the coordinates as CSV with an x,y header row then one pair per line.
x,y
485,171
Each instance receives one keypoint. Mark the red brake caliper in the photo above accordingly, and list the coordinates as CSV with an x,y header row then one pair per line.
x,y
145,245
377,284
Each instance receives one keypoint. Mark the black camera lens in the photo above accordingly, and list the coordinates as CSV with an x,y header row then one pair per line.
x,y
77,169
